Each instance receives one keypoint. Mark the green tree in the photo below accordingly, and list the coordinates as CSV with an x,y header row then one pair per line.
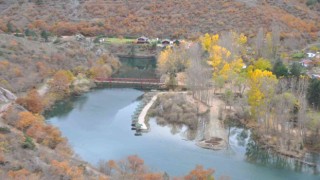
x,y
10,27
29,32
296,70
279,69
45,35
39,2
313,93
28,143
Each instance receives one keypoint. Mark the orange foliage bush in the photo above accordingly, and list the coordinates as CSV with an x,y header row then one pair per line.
x,y
200,174
61,81
26,119
64,28
4,65
32,102
152,176
19,174
42,69
65,170
52,137
3,26
17,72
39,24
35,127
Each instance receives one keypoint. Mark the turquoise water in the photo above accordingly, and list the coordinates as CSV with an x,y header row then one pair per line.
x,y
98,127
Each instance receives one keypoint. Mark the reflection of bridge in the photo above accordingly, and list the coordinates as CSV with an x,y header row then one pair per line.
x,y
135,81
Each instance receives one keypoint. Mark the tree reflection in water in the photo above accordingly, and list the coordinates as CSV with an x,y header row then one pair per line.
x,y
269,158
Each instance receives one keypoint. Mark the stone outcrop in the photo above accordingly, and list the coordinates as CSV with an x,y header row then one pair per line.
x,y
6,96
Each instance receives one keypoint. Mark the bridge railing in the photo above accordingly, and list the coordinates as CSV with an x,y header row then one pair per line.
x,y
134,80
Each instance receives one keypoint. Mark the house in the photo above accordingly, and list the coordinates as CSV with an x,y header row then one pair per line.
x,y
306,63
142,40
311,55
315,76
166,42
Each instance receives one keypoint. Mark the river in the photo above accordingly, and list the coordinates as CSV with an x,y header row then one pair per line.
x,y
98,127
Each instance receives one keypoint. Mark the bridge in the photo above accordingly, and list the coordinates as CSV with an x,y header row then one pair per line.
x,y
133,81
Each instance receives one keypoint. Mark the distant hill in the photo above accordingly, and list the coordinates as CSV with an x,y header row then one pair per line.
x,y
165,18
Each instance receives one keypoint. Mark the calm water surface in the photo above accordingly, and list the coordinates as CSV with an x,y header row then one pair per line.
x,y
98,126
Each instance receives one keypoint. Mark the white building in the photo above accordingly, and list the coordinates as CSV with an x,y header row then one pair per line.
x,y
311,55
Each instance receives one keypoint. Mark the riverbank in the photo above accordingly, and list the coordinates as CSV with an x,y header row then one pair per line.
x,y
269,143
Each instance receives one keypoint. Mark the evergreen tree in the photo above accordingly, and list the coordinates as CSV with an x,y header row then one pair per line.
x,y
45,35
10,27
313,93
296,70
39,2
279,69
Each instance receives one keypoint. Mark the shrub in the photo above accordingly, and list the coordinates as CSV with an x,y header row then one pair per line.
x,y
298,55
28,143
311,2
4,130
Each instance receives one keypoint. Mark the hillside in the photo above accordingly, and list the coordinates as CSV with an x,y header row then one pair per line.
x,y
25,62
161,18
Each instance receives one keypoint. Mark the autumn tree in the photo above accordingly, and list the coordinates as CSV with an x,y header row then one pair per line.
x,y
261,85
224,55
104,66
172,61
65,170
61,82
64,28
32,101
130,168
208,41
200,173
26,119
262,64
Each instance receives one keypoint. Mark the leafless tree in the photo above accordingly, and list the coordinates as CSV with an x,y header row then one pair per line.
x,y
199,75
275,39
228,40
259,42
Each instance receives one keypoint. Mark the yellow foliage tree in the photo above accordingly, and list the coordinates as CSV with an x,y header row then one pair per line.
x,y
261,85
208,41
172,60
242,39
262,64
